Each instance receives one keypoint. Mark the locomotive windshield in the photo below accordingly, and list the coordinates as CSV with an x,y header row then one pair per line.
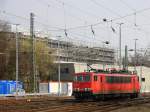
x,y
79,78
87,78
82,78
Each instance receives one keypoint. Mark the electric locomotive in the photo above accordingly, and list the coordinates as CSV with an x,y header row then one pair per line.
x,y
102,84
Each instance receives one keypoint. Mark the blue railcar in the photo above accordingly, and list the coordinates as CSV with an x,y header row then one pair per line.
x,y
9,86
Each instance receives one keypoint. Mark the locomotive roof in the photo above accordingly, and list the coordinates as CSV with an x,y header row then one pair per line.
x,y
106,74
109,71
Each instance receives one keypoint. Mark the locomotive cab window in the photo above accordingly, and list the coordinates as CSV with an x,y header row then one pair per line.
x,y
87,78
95,78
79,78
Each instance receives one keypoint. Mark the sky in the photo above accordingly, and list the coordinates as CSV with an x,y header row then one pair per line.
x,y
81,18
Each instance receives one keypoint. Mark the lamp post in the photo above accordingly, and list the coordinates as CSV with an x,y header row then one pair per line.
x,y
135,56
120,57
104,42
17,50
58,54
141,69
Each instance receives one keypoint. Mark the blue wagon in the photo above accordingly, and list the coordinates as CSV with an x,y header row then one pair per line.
x,y
9,86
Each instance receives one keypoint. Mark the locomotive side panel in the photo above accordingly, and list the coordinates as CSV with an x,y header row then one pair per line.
x,y
136,85
97,84
118,84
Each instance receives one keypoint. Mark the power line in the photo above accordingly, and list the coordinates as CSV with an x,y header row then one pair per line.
x,y
44,2
108,9
127,5
27,19
79,9
131,8
114,19
10,14
54,6
77,27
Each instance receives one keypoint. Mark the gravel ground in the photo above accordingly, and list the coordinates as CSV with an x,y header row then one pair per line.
x,y
139,108
48,103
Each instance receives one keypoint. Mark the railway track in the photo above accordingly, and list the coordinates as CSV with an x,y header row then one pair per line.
x,y
70,105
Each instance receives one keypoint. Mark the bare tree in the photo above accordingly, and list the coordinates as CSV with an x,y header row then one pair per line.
x,y
142,58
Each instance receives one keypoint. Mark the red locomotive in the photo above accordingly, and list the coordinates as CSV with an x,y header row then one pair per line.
x,y
102,84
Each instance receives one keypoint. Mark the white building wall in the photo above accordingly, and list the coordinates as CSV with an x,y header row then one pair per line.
x,y
143,72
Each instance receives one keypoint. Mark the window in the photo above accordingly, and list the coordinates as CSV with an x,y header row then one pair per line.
x,y
87,78
79,78
95,78
118,79
75,78
64,70
143,79
101,79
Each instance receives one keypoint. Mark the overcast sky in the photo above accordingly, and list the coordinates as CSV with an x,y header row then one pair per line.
x,y
53,15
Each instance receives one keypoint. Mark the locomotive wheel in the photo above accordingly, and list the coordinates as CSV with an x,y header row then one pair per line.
x,y
79,98
95,97
99,97
133,95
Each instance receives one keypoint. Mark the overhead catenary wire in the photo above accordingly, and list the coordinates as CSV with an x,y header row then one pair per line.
x,y
27,19
79,9
121,17
78,27
108,9
127,5
114,19
56,6
131,8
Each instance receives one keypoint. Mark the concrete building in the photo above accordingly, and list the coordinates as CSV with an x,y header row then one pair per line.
x,y
69,52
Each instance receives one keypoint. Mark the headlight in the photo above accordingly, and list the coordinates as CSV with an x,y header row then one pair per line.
x,y
87,89
76,89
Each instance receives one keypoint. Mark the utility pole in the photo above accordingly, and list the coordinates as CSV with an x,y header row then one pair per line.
x,y
141,69
58,54
33,52
135,56
17,50
120,57
126,58
105,42
58,68
103,56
